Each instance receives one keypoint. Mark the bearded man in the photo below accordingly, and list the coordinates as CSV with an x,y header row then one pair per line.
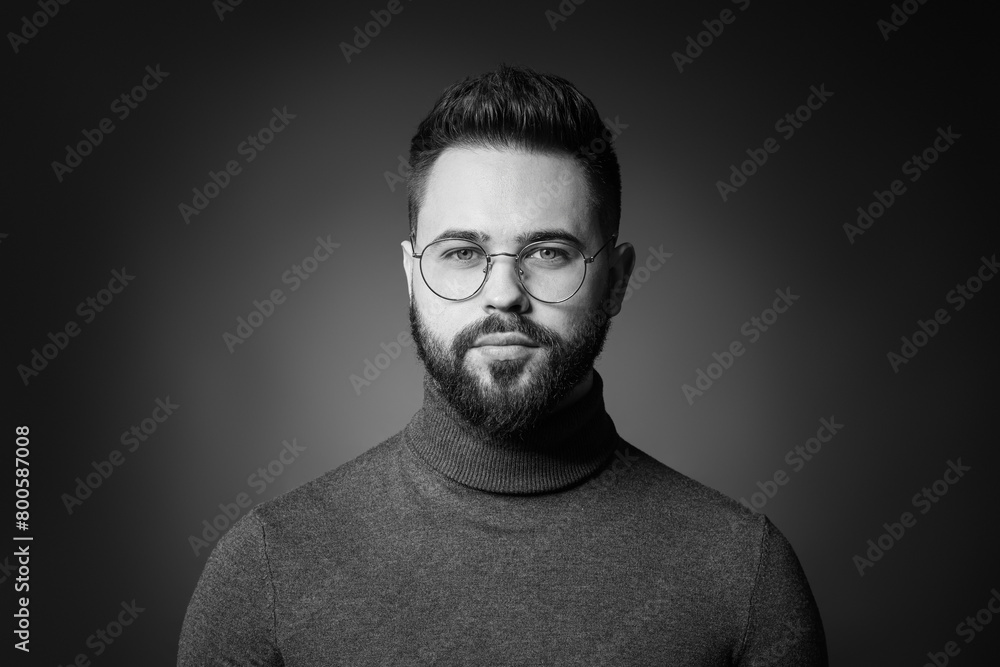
x,y
508,523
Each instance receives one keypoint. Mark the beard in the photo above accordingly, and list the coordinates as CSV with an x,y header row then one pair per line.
x,y
511,401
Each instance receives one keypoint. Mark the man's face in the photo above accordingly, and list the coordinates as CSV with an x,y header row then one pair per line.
x,y
506,198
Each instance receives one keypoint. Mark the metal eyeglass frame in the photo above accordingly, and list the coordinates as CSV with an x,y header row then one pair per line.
x,y
517,261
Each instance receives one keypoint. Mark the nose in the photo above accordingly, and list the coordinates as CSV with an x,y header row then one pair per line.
x,y
503,290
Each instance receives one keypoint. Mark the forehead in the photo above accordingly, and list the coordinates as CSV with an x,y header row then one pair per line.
x,y
505,196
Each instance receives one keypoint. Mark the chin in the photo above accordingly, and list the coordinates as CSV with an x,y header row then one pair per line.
x,y
504,373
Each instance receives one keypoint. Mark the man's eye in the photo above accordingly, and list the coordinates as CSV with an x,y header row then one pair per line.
x,y
463,254
548,254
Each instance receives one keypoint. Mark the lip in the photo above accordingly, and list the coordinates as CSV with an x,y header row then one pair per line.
x,y
504,339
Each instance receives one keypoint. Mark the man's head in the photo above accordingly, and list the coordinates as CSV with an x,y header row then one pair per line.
x,y
505,159
516,108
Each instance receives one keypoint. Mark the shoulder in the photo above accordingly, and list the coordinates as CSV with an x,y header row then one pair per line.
x,y
691,536
701,534
665,497
349,489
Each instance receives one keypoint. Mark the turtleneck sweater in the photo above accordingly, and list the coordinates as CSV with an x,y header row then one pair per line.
x,y
446,545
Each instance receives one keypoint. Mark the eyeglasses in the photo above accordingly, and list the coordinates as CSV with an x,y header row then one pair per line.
x,y
550,271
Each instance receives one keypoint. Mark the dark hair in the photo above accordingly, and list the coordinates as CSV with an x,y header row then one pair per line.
x,y
515,107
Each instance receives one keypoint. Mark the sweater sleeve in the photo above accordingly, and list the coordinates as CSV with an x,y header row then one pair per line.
x,y
230,619
783,627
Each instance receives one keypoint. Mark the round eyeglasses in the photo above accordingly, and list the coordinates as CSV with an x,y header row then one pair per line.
x,y
550,271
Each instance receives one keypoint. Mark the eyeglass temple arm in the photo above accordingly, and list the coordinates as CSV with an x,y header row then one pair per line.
x,y
588,260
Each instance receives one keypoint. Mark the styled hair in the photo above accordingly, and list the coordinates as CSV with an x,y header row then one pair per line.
x,y
518,108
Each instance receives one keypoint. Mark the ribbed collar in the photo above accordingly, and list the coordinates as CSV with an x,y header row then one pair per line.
x,y
565,448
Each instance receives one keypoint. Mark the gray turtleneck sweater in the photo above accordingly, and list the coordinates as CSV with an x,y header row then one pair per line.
x,y
444,546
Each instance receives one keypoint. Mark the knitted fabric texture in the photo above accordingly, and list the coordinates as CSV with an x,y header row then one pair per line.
x,y
445,545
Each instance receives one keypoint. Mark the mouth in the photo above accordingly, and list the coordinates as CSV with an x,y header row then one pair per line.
x,y
505,340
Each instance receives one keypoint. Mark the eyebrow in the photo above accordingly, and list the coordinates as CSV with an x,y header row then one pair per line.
x,y
483,238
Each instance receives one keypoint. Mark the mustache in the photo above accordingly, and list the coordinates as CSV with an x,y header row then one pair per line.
x,y
493,324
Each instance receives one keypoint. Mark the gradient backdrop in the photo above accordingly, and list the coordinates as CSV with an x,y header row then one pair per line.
x,y
225,69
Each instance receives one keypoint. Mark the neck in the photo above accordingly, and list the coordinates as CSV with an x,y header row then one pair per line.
x,y
577,392
564,448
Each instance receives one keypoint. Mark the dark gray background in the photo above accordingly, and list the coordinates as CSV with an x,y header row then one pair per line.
x,y
325,176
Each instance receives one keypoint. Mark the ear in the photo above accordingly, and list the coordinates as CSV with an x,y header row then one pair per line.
x,y
621,261
408,261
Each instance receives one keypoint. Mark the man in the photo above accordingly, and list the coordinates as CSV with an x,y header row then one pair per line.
x,y
508,523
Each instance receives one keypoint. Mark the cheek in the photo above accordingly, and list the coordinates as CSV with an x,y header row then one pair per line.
x,y
560,320
596,282
440,317
594,291
432,307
